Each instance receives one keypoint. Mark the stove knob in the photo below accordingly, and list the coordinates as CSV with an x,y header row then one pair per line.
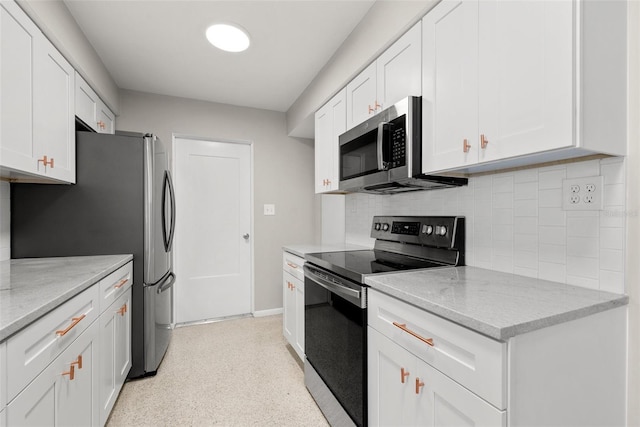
x,y
385,227
441,230
427,229
377,226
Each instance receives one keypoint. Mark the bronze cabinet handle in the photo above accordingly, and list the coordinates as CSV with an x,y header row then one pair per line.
x,y
403,326
74,322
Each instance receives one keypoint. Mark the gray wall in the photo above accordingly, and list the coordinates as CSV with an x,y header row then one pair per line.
x,y
283,171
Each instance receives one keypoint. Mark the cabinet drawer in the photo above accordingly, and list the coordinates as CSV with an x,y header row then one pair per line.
x,y
33,348
292,264
115,284
473,360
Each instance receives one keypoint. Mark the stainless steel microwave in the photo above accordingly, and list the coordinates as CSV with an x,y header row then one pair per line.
x,y
384,153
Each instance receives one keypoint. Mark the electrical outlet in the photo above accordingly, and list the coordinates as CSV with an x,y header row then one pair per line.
x,y
583,194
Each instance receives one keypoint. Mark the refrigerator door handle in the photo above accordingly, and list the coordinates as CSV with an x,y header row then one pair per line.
x,y
169,281
167,234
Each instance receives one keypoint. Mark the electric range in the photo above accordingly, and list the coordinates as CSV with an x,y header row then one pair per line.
x,y
336,304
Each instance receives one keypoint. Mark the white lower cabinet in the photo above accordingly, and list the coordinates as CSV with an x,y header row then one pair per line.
x,y
293,302
3,417
424,370
115,352
409,392
65,393
68,367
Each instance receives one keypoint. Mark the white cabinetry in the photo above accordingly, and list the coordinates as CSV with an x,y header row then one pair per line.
x,y
65,393
503,80
330,122
394,75
115,337
293,301
37,131
425,370
90,108
68,367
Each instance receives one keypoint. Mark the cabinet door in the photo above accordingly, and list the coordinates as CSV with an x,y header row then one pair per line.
x,y
86,106
123,339
330,122
526,77
299,308
106,120
450,85
399,69
289,304
17,40
115,352
443,402
54,113
361,97
54,397
391,373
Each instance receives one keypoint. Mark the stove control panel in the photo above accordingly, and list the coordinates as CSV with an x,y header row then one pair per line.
x,y
441,231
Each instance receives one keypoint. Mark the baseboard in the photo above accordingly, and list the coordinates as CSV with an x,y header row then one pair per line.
x,y
264,313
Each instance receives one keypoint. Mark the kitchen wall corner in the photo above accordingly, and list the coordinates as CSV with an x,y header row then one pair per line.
x,y
5,221
516,224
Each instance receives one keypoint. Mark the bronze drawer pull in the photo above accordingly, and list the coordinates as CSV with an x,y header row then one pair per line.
x,y
74,322
403,326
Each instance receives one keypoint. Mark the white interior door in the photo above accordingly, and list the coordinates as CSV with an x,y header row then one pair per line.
x,y
213,226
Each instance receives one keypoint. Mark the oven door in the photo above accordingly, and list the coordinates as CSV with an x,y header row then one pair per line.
x,y
335,338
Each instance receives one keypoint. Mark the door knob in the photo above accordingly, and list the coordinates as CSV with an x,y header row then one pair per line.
x,y
245,236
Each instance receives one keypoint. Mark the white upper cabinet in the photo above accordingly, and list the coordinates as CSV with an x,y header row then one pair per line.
x,y
393,76
90,108
37,132
330,122
508,79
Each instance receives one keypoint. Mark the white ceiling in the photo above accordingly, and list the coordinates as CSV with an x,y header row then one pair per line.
x,y
160,47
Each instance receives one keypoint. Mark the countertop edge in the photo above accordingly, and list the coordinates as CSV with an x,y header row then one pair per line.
x,y
494,332
38,312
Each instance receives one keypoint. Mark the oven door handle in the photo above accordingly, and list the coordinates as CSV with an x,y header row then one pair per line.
x,y
349,294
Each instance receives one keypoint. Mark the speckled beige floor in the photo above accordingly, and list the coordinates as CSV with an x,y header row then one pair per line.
x,y
230,373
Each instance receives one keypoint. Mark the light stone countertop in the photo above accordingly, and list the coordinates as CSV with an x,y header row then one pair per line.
x,y
302,249
32,287
499,305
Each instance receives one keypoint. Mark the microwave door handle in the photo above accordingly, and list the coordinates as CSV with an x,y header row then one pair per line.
x,y
381,163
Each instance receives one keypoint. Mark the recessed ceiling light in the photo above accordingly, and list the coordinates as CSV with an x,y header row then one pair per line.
x,y
228,37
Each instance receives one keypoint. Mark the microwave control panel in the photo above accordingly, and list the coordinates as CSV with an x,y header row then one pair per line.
x,y
398,147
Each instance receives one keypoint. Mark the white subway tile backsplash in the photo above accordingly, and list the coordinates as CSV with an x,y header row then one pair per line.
x,y
551,177
551,198
583,169
552,271
612,238
614,195
551,217
556,254
515,222
525,190
582,226
583,267
612,260
612,281
583,247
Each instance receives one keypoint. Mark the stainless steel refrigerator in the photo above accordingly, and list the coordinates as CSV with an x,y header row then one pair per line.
x,y
123,202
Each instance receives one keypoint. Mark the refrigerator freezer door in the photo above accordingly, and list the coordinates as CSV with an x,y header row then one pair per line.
x,y
158,302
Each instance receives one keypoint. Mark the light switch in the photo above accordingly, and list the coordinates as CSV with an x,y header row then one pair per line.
x,y
269,209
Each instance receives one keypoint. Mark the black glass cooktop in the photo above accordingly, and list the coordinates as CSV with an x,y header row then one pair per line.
x,y
356,264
